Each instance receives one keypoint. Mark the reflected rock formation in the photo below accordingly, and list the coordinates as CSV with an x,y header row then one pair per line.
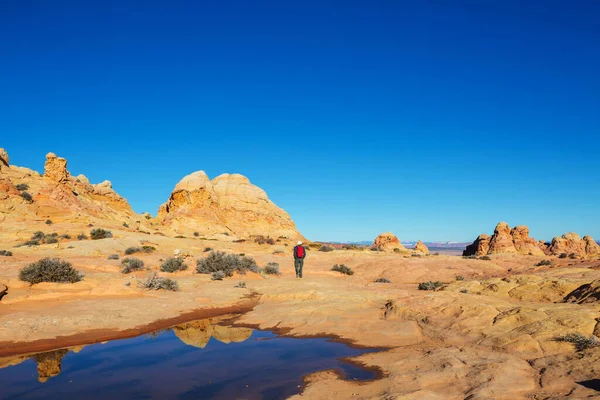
x,y
198,333
49,364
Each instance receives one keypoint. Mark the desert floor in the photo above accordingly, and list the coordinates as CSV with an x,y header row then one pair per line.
x,y
491,335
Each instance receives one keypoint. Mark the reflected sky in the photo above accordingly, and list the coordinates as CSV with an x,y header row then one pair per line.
x,y
196,360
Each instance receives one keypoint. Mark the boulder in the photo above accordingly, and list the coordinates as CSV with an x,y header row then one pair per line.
x,y
388,242
420,247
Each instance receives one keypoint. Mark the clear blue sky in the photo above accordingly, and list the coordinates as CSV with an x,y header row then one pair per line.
x,y
430,119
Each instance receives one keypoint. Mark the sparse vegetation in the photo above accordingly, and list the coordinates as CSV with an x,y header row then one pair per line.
x,y
375,248
543,263
65,236
326,248
485,258
206,249
396,250
460,278
143,249
125,225
51,240
173,264
50,270
27,197
226,263
272,268
196,234
100,233
22,187
382,280
430,285
572,256
471,257
240,285
464,291
6,253
130,264
580,341
314,246
217,276
260,239
341,268
48,222
155,282
113,257
415,255
562,255
82,236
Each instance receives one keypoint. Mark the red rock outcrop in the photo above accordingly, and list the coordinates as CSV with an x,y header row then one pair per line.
x,y
228,204
505,240
420,247
388,242
572,243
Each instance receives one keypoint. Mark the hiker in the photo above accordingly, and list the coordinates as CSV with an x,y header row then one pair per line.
x,y
299,254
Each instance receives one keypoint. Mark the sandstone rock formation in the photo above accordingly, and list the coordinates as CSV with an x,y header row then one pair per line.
x,y
571,243
57,195
420,247
388,242
588,293
505,240
3,158
228,204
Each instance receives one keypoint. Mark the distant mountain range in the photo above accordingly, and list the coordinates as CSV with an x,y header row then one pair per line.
x,y
408,243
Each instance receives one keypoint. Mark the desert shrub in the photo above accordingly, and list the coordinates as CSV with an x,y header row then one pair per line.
x,y
131,264
485,258
65,236
581,342
326,248
39,235
464,291
260,239
82,236
50,240
563,255
217,276
113,257
572,256
350,247
272,268
396,250
48,222
26,196
6,253
430,285
240,285
415,255
143,249
131,250
155,282
314,246
196,234
31,243
100,233
460,278
373,248
22,186
173,264
543,263
50,270
125,225
341,268
226,263
207,249
472,257
382,280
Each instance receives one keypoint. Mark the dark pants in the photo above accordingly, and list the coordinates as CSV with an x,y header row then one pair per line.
x,y
299,263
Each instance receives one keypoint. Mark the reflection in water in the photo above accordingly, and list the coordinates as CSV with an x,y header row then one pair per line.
x,y
169,364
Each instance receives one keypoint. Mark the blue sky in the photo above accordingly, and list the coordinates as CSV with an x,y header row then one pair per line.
x,y
430,119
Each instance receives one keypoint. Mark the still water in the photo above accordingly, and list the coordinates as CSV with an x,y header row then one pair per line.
x,y
196,360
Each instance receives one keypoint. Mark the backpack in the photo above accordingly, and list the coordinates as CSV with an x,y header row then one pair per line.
x,y
299,251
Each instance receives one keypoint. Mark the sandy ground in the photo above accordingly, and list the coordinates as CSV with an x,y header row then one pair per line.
x,y
489,336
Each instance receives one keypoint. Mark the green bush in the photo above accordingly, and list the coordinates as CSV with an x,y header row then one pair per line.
x,y
260,239
100,233
326,248
143,249
341,268
382,280
485,258
48,222
240,285
563,255
460,278
207,249
22,186
543,263
31,243
82,236
130,264
430,285
113,257
173,264
272,268
226,263
50,270
6,253
572,256
65,236
50,240
27,197
38,235
155,282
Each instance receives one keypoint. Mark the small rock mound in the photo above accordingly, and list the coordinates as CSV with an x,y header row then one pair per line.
x,y
388,242
420,247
